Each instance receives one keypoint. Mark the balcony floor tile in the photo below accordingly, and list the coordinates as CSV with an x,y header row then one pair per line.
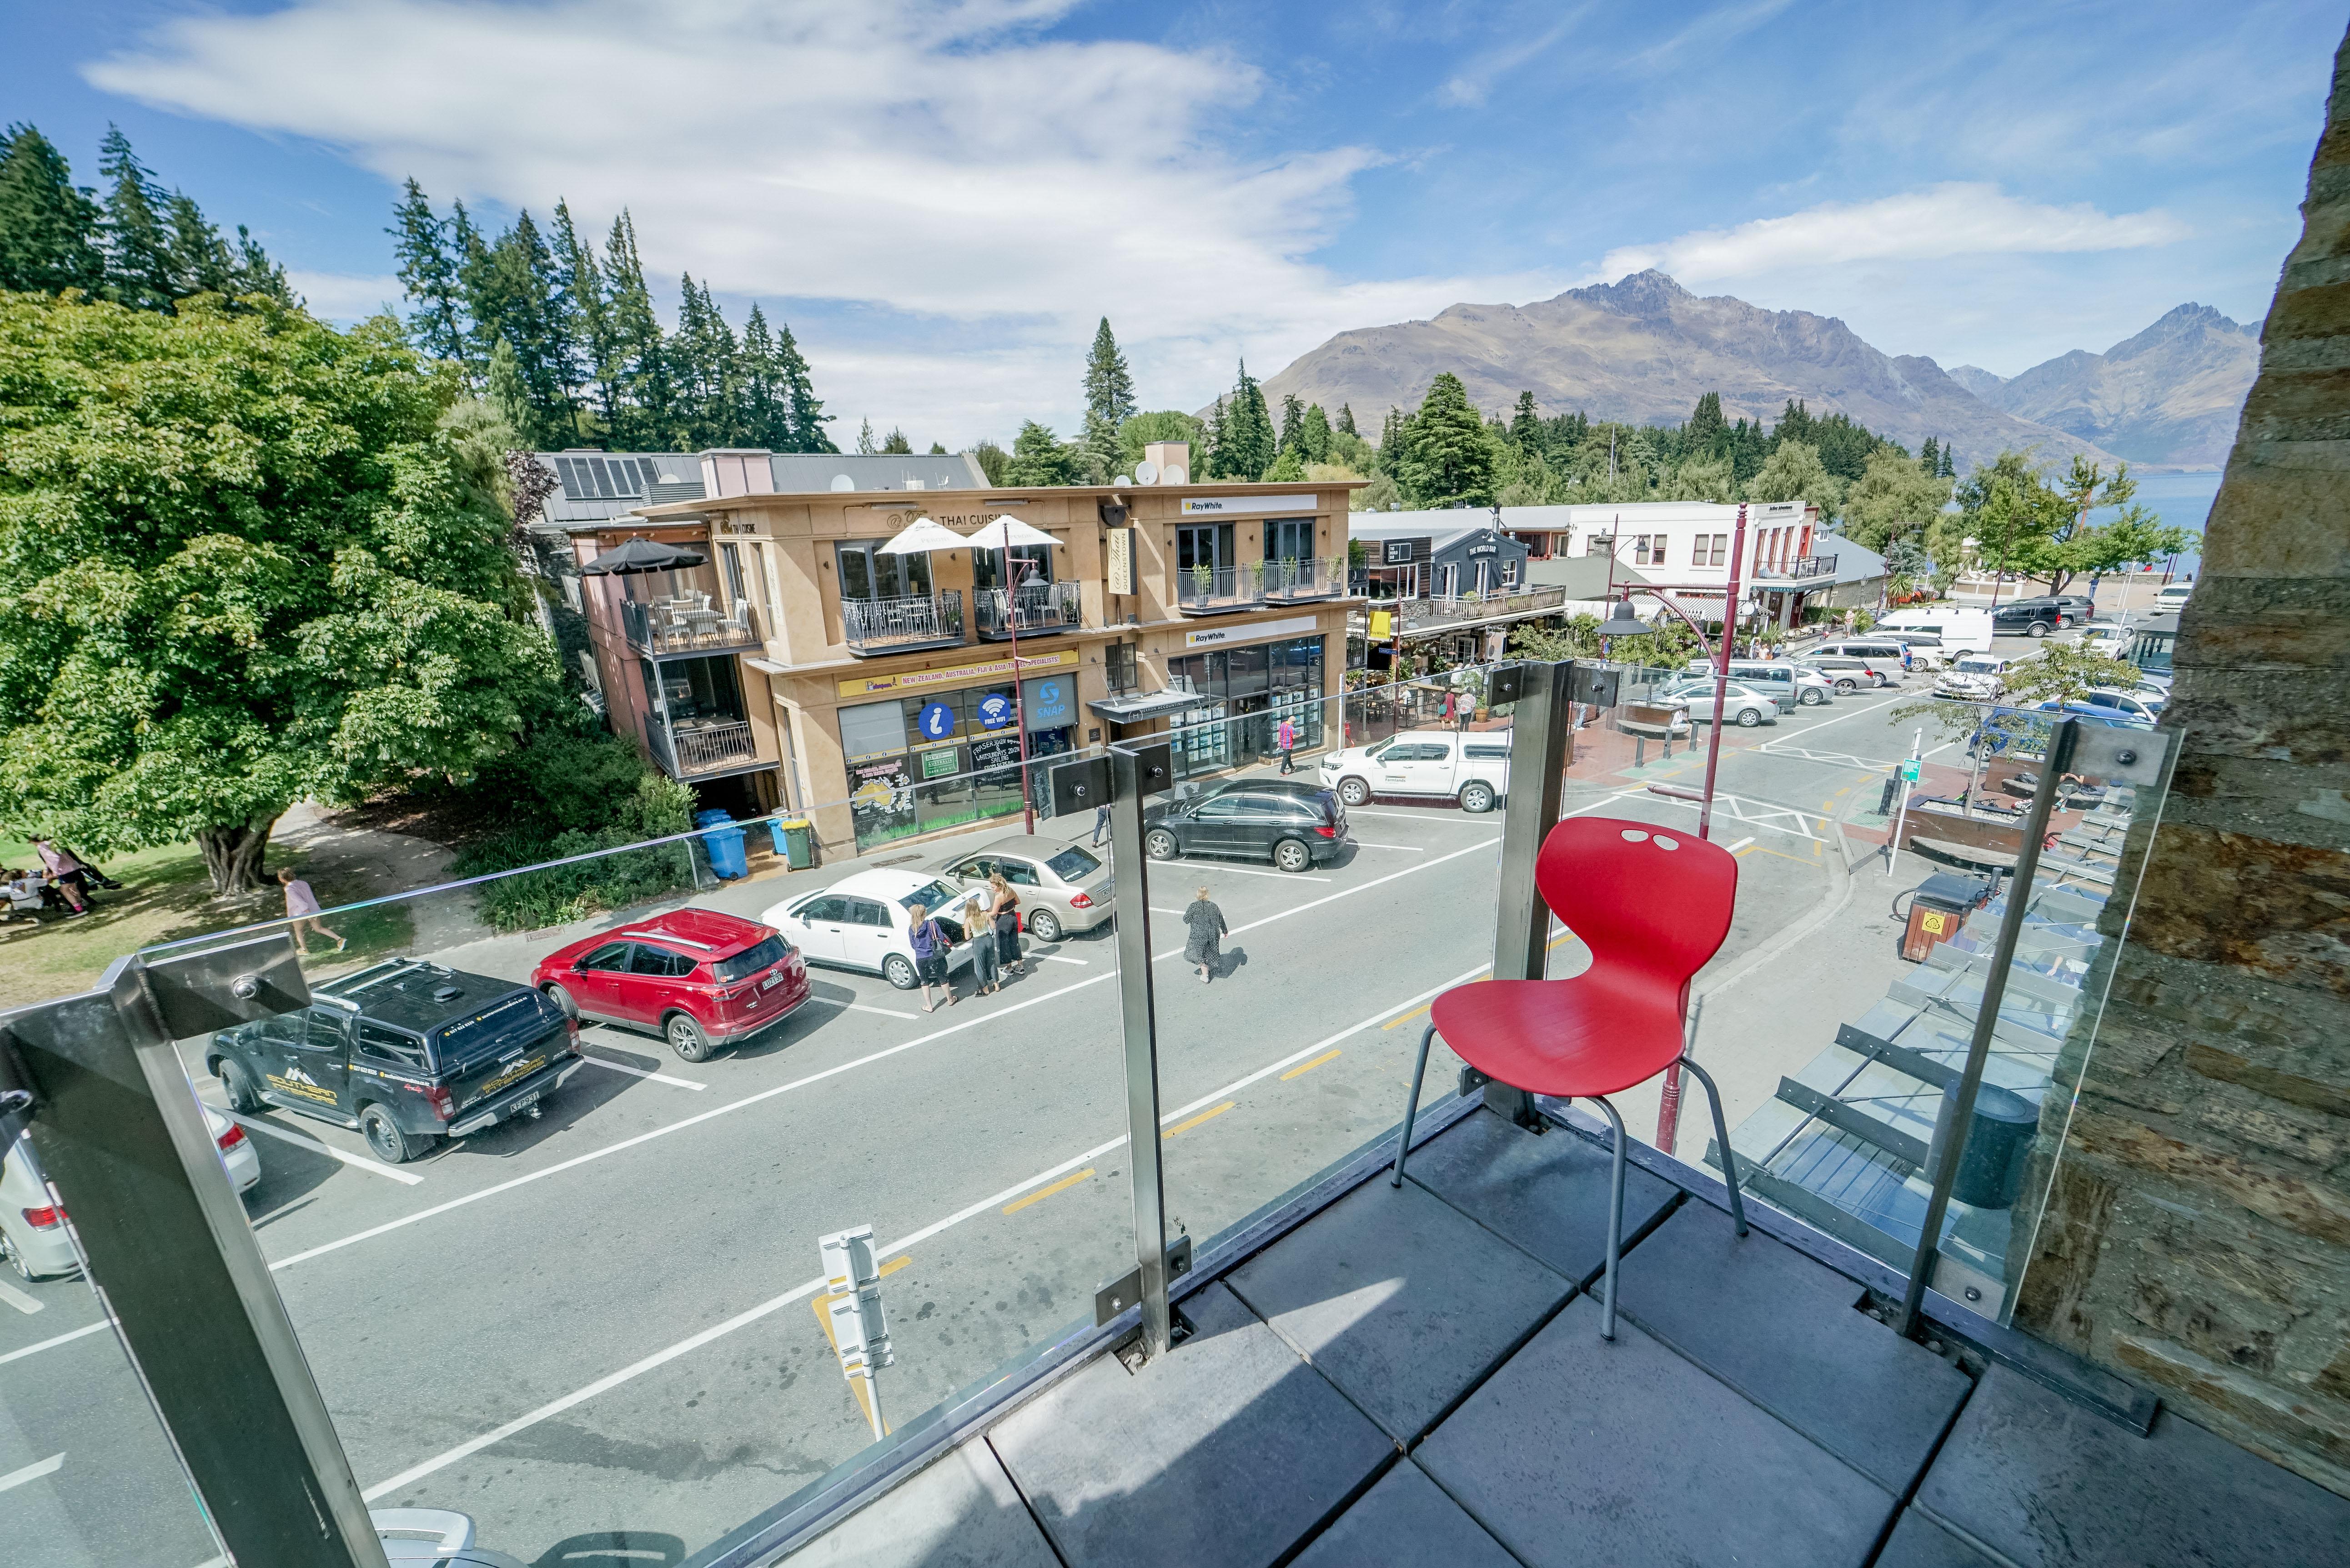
x,y
1225,1452
1548,1193
2042,1482
1374,1291
1919,1542
961,1512
1405,1521
1582,1451
1781,1330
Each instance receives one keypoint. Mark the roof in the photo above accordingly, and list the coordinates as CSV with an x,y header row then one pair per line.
x,y
1582,576
1441,528
1855,563
803,473
412,994
1581,518
598,485
721,934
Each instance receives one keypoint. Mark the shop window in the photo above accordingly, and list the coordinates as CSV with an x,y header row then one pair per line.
x,y
1118,666
1719,553
868,573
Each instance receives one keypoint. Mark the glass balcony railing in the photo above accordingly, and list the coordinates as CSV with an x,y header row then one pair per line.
x,y
685,748
688,626
1036,609
1306,577
895,625
1219,590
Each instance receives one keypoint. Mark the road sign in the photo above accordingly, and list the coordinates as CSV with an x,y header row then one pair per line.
x,y
860,1328
938,722
1911,770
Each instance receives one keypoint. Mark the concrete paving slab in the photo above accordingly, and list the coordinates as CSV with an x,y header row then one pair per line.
x,y
1400,1299
961,1512
1548,1193
1405,1521
1222,1454
2042,1482
1781,1329
1919,1542
1582,1451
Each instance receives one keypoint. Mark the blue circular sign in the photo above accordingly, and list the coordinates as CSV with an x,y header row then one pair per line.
x,y
938,722
1048,704
996,710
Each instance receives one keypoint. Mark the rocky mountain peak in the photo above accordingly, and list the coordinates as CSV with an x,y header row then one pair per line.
x,y
1644,293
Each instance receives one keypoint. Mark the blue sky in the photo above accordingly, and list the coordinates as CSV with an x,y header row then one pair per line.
x,y
943,197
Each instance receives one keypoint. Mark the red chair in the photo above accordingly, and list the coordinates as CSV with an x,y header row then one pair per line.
x,y
1652,907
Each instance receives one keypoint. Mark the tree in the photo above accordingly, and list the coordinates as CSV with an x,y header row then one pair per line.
x,y
428,276
865,438
764,417
631,371
1347,419
1038,457
937,449
1110,388
895,444
1313,434
1139,431
809,417
139,270
1450,459
1794,473
1292,422
1893,499
49,225
1706,428
1286,468
1929,456
244,563
1244,444
993,461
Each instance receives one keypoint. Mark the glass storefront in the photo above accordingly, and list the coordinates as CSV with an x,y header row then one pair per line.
x,y
1253,688
917,764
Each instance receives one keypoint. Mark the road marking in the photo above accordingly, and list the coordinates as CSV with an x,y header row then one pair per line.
x,y
1459,819
40,1345
1245,871
883,1011
1304,1067
32,1472
1055,958
1156,911
1205,1116
1042,1193
357,1162
20,1300
642,1071
1406,848
1741,843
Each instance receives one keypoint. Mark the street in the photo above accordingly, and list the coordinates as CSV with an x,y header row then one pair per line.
x,y
604,1324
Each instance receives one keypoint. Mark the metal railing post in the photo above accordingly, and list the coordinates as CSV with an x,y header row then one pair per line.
x,y
1134,774
1542,744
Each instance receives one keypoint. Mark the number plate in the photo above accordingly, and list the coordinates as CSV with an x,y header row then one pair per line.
x,y
522,1107
774,977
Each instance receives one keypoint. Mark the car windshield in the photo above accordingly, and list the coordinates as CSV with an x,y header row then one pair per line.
x,y
933,896
1073,865
1978,666
749,962
496,1026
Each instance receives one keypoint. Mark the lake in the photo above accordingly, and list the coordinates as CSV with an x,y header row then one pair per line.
x,y
2184,499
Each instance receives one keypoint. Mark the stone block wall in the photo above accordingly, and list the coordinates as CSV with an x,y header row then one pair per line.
x,y
2195,1234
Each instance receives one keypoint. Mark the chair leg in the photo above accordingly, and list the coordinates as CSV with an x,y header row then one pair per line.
x,y
1412,1107
1614,1222
1721,1141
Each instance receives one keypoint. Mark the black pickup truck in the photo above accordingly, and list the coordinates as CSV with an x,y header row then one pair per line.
x,y
405,1051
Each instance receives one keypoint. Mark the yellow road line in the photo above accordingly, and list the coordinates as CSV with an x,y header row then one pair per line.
x,y
824,1321
1042,1193
1407,1017
1207,1115
1309,1066
896,1263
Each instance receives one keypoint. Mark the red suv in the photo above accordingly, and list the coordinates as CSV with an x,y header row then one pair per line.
x,y
699,977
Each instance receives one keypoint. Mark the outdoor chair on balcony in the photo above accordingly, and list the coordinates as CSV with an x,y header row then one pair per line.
x,y
1652,907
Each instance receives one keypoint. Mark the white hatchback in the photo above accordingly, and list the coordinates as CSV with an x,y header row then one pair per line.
x,y
33,1237
862,922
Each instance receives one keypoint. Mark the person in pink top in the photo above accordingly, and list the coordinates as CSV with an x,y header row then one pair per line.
x,y
302,911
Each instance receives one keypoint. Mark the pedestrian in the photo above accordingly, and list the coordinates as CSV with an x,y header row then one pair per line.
x,y
929,940
1101,823
1445,716
65,874
1204,947
1004,910
984,973
302,912
1285,738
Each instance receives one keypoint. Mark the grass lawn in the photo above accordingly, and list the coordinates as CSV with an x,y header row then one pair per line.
x,y
166,895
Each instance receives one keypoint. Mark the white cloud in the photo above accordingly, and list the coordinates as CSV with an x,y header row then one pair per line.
x,y
342,295
937,157
1936,224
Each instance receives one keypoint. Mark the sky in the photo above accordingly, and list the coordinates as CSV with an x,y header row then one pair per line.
x,y
943,197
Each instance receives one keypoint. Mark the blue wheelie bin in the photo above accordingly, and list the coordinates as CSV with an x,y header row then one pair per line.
x,y
725,849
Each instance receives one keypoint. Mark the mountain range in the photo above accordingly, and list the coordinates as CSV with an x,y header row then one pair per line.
x,y
1644,349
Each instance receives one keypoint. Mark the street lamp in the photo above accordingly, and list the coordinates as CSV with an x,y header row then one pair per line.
x,y
1019,689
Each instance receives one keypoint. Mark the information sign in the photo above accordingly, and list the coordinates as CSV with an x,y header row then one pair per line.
x,y
938,722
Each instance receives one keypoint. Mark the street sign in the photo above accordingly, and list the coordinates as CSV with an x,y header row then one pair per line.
x,y
938,722
860,1328
1911,770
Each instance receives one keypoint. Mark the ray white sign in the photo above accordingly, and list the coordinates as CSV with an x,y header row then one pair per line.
x,y
1217,637
1248,506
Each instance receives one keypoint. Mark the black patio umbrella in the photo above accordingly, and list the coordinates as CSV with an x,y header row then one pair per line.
x,y
640,558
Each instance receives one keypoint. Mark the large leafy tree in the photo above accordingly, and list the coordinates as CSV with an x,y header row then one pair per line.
x,y
49,225
2021,521
244,559
1039,457
1449,457
1894,500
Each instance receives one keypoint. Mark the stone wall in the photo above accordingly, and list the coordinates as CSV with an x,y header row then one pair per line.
x,y
2195,1235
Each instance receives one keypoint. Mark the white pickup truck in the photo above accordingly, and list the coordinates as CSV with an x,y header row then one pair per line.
x,y
1471,767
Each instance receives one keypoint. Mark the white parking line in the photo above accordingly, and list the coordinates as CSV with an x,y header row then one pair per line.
x,y
1246,871
32,1471
359,1162
883,1011
1055,958
1741,843
642,1071
1459,819
39,1346
20,1300
1406,848
1156,911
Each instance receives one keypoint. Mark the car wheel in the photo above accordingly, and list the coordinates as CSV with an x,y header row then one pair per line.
x,y
2037,628
15,1258
1476,795
1812,699
1848,687
238,1087
1159,844
686,1038
564,1000
383,1135
1748,718
898,971
1045,926
1354,792
1290,855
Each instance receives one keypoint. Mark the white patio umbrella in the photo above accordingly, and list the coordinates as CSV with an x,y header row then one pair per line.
x,y
1008,534
922,534
1004,533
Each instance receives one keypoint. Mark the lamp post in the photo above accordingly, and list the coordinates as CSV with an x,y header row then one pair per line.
x,y
1019,691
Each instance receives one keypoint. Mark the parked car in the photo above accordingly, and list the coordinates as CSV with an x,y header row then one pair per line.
x,y
1795,684
2113,641
32,1227
2079,608
1977,678
2142,703
2098,714
1468,766
861,923
1062,889
1959,629
1742,705
2029,617
1289,822
701,978
405,1051
2173,597
1925,650
1854,662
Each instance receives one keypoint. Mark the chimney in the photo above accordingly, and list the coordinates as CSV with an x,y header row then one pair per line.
x,y
737,471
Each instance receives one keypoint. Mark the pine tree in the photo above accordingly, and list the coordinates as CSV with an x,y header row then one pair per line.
x,y
428,276
937,449
505,388
632,373
139,270
1292,422
512,293
704,357
1451,458
895,444
1038,457
809,417
49,227
1314,435
576,307
766,407
1950,463
865,439
1247,446
1929,456
1211,443
1526,425
1346,419
1706,429
1100,450
1110,388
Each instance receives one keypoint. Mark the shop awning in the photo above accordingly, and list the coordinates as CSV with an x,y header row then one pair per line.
x,y
1132,706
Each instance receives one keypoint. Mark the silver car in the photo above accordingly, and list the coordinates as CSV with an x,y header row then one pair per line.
x,y
1740,704
1062,887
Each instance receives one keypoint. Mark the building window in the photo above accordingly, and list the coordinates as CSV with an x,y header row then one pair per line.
x,y
1289,539
1649,550
868,573
1720,552
987,566
1254,689
730,560
1118,666
1208,545
917,764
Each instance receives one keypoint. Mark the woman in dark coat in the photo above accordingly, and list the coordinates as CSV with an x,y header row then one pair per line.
x,y
1202,946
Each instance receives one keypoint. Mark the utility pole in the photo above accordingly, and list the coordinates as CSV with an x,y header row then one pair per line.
x,y
1019,690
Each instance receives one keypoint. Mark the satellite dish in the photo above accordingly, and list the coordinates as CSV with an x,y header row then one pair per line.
x,y
1146,473
1173,475
842,482
1122,481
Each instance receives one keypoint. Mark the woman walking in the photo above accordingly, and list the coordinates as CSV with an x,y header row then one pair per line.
x,y
929,940
302,912
1204,947
1004,910
982,934
1284,741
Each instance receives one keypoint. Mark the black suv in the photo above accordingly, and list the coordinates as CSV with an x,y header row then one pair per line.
x,y
405,1051
2033,618
1293,824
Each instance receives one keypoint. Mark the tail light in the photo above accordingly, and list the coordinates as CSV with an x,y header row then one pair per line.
x,y
443,1103
231,1138
44,1219
1081,901
1328,830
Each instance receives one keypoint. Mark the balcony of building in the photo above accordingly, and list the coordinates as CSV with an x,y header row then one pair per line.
x,y
873,627
1495,604
688,624
695,724
1032,609
1304,580
1802,568
1220,590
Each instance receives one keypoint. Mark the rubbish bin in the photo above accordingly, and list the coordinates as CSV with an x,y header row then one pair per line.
x,y
1937,909
1989,1171
795,841
724,849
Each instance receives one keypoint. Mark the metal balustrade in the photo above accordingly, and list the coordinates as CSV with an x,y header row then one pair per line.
x,y
890,625
1304,577
695,746
1035,609
688,626
1213,590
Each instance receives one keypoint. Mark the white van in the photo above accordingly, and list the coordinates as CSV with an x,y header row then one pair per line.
x,y
1468,766
1961,630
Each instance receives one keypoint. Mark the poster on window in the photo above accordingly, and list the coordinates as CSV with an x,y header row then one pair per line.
x,y
880,798
996,760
